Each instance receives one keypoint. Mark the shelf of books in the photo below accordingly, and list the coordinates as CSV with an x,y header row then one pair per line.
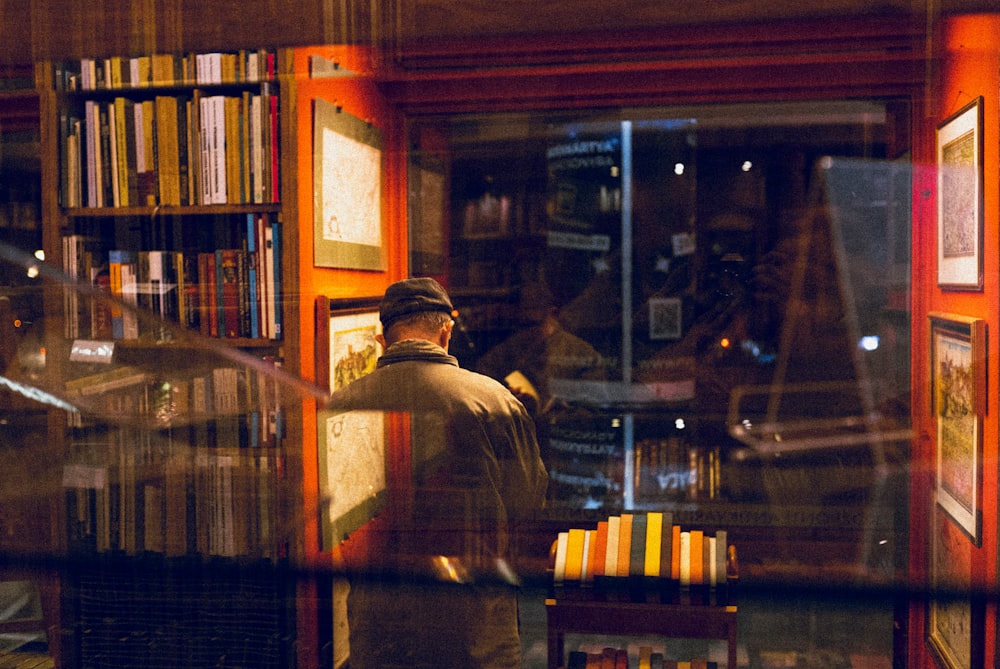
x,y
166,214
637,574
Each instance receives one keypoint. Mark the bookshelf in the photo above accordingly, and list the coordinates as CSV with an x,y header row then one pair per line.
x,y
637,574
166,197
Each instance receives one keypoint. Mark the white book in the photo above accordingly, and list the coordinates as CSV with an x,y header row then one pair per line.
x,y
685,559
562,546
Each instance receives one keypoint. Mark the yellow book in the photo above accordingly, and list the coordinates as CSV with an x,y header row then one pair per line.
x,y
611,554
163,69
574,554
624,543
167,157
645,657
654,532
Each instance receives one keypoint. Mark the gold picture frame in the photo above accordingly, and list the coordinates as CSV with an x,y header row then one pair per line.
x,y
958,404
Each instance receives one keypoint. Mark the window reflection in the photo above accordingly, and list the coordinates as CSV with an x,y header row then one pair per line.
x,y
710,305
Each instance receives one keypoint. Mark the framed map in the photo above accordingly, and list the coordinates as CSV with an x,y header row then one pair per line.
x,y
955,617
352,463
348,225
960,199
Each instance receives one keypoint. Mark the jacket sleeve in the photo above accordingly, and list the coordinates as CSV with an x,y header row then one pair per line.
x,y
524,478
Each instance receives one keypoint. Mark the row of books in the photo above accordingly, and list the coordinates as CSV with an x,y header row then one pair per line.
x,y
226,407
211,503
165,69
226,293
618,658
645,545
171,150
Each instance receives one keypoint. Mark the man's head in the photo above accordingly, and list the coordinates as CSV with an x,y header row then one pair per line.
x,y
416,307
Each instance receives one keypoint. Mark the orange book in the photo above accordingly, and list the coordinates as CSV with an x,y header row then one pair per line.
x,y
697,557
624,544
600,548
675,552
588,563
608,658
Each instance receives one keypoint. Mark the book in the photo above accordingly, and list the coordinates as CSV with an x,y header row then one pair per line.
x,y
666,545
654,543
227,292
576,659
252,280
611,554
559,567
624,544
645,652
675,552
685,558
600,544
590,558
167,150
517,381
608,657
637,553
585,575
697,557
574,554
721,553
277,327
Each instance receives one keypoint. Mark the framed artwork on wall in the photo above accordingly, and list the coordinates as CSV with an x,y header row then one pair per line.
x,y
426,182
955,617
960,199
958,404
348,225
352,445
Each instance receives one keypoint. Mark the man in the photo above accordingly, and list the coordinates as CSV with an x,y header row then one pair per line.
x,y
476,470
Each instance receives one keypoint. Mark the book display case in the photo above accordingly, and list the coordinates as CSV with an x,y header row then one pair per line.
x,y
641,574
164,190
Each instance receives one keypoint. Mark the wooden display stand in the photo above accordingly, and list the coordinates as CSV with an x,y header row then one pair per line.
x,y
639,605
627,618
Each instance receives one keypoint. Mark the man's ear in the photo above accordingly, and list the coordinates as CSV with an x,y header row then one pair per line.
x,y
444,337
380,338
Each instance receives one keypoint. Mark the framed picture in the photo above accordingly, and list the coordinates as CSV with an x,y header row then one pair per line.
x,y
348,225
352,445
955,618
960,199
664,318
958,399
427,201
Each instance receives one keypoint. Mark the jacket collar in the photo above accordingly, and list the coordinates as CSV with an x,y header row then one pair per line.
x,y
416,349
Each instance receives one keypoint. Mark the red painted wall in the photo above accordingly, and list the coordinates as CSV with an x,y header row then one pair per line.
x,y
965,65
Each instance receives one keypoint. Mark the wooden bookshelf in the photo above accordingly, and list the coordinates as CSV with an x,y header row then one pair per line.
x,y
214,483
